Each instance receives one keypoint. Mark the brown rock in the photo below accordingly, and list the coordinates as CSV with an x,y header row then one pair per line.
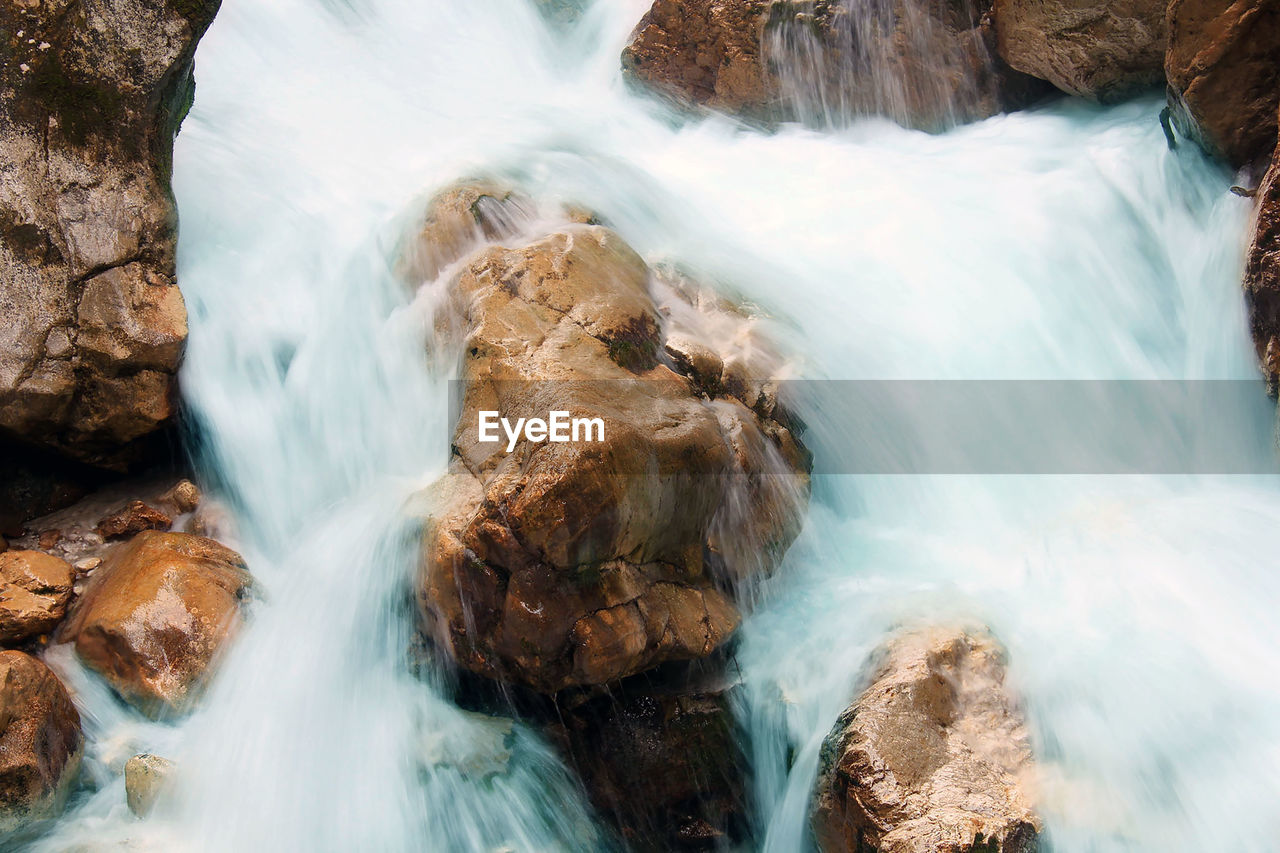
x,y
924,65
933,755
459,219
1223,68
156,613
1262,276
577,563
1104,51
40,742
133,518
93,324
662,763
34,591
704,52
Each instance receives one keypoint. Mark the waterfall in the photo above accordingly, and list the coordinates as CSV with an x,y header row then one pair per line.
x,y
1061,242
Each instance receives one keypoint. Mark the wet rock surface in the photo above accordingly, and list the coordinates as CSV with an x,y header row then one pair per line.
x,y
1223,69
579,563
660,756
155,614
1102,51
1262,276
933,755
40,743
920,64
34,591
92,324
145,777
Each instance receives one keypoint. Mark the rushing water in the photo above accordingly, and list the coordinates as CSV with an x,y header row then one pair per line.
x,y
1062,242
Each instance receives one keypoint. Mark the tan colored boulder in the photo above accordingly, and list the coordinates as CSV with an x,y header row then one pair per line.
x,y
934,755
92,324
40,742
579,563
145,777
1223,68
1100,50
34,591
1262,276
921,64
155,615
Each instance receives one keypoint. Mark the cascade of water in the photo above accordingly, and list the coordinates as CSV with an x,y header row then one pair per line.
x,y
1064,242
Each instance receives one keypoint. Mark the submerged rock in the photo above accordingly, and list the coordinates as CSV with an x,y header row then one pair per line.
x,y
1223,68
1100,50
34,591
934,755
921,64
156,613
40,742
145,777
91,321
1262,276
579,563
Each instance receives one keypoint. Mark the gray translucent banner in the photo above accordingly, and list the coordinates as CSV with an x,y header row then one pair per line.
x,y
989,426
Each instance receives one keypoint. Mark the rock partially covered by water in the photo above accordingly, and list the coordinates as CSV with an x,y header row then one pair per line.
x,y
921,64
1262,276
40,742
661,759
1101,50
934,755
156,613
582,562
1223,68
91,322
145,777
34,591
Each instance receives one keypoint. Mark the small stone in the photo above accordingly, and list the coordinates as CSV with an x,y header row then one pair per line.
x,y
88,564
145,777
132,520
49,539
184,496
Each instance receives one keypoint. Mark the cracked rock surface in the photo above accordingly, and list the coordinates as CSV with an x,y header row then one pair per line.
x,y
581,563
933,755
92,324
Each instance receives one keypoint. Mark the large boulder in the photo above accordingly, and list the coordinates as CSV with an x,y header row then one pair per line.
x,y
933,755
1262,276
583,562
34,591
40,742
92,324
155,615
1223,68
924,65
1100,50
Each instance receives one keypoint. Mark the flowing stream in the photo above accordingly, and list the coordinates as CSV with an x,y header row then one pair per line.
x,y
1062,242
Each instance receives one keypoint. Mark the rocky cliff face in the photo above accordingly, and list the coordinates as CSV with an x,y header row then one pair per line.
x,y
1223,68
92,324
